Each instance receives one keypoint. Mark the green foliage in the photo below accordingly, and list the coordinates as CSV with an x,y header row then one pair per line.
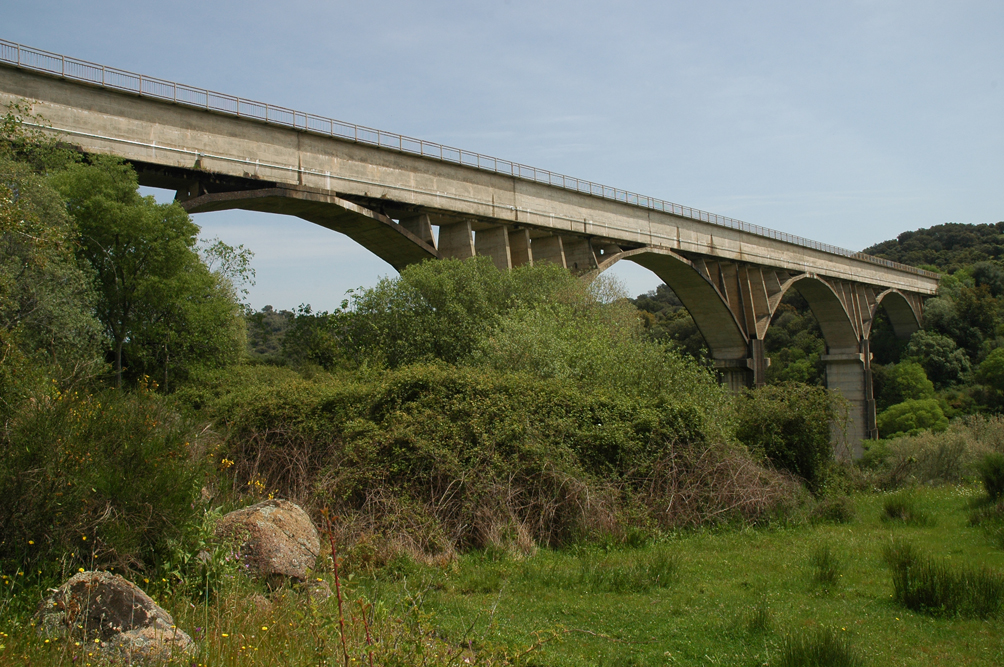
x,y
789,425
439,310
794,343
912,417
943,362
835,509
109,477
162,308
948,247
902,507
471,457
666,320
928,586
906,381
991,471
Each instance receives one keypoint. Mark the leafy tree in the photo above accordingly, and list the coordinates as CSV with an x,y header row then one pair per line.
x,y
789,425
989,274
904,381
159,304
911,417
943,362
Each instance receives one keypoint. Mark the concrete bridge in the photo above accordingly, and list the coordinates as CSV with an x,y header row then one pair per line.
x,y
388,192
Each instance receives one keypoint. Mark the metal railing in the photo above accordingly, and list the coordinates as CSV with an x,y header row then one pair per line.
x,y
147,86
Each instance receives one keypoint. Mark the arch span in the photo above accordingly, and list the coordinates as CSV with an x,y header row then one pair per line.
x,y
374,231
828,309
716,322
905,314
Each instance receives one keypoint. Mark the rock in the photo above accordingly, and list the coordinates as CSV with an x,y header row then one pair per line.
x,y
318,590
277,540
124,620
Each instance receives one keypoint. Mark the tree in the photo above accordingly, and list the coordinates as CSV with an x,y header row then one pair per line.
x,y
159,304
911,417
905,381
788,424
944,363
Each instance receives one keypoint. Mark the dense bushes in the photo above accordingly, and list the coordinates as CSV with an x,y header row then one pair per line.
x,y
789,425
108,477
453,457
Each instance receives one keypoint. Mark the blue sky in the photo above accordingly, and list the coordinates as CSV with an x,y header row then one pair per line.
x,y
846,123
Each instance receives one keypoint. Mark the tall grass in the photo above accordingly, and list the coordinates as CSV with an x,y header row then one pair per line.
x,y
821,648
826,566
902,507
940,588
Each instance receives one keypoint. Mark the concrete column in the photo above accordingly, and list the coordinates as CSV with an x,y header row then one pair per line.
x,y
734,374
758,363
519,247
456,240
848,375
579,257
420,226
494,243
549,249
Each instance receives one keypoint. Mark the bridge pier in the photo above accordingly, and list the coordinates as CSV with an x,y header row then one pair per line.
x,y
850,375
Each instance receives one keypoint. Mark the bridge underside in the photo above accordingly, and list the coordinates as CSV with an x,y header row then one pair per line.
x,y
731,302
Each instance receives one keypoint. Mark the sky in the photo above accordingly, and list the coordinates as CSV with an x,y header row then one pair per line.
x,y
843,122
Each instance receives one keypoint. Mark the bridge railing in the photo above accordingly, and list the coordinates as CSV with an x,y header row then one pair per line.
x,y
147,86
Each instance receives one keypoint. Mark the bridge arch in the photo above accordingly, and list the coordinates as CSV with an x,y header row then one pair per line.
x,y
904,313
718,325
836,324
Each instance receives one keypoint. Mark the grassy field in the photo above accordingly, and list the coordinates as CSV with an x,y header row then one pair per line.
x,y
715,597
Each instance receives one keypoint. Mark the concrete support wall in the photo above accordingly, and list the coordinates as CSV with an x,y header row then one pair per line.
x,y
456,240
579,256
847,374
494,243
519,247
549,249
421,227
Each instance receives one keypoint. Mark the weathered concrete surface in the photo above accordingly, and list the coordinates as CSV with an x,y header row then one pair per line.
x,y
187,143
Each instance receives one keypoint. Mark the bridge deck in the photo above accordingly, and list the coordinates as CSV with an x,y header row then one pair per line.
x,y
178,133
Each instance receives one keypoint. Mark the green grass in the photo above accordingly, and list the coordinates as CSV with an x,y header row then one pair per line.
x,y
713,597
736,596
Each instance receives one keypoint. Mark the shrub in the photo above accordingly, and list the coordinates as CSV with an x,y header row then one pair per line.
x,y
821,648
903,507
836,509
789,425
438,458
911,417
943,589
991,470
948,457
109,477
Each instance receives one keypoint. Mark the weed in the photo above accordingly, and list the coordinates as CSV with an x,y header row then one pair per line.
x,y
991,471
837,509
902,507
826,566
943,589
760,620
822,648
